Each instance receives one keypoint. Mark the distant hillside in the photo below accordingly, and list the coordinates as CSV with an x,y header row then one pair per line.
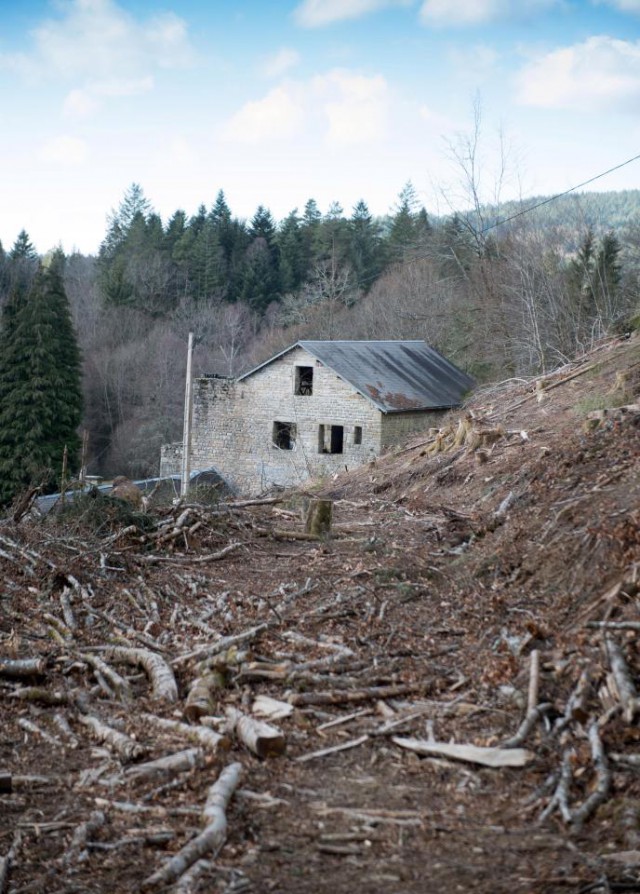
x,y
576,212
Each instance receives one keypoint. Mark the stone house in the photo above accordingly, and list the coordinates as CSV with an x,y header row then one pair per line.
x,y
316,408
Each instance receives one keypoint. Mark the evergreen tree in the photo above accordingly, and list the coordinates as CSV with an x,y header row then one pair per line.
x,y
405,223
261,280
40,392
365,246
292,254
22,248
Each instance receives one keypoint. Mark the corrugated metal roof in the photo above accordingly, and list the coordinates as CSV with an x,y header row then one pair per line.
x,y
395,376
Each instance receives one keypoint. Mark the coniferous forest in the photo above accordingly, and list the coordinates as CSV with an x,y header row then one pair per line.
x,y
98,344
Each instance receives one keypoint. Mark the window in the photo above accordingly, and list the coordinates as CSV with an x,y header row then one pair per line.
x,y
357,434
304,380
284,435
330,438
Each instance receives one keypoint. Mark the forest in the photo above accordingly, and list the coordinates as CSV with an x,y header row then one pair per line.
x,y
504,291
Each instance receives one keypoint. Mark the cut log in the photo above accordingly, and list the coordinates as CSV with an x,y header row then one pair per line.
x,y
22,667
200,701
261,738
210,840
270,708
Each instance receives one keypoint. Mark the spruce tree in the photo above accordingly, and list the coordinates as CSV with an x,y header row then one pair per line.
x,y
40,391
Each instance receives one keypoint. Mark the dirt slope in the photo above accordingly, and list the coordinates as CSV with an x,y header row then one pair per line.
x,y
456,563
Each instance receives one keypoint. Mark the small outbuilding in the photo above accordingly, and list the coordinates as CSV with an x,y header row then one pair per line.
x,y
314,409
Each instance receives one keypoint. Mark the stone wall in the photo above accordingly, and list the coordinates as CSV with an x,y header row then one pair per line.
x,y
259,433
237,425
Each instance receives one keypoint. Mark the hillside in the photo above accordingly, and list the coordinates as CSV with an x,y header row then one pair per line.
x,y
480,588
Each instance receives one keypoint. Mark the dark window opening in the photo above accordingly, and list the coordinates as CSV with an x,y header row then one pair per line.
x,y
304,380
284,435
330,438
357,434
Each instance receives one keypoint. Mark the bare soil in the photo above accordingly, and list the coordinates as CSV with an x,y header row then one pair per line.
x,y
444,574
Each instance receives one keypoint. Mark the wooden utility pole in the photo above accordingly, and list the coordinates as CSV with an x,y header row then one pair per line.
x,y
186,431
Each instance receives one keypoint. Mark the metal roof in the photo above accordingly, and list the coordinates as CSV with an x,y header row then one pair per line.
x,y
395,376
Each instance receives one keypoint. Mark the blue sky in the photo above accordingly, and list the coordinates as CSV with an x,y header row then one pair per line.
x,y
279,101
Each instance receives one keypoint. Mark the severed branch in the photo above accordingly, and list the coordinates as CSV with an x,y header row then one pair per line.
x,y
125,747
8,860
222,645
206,737
211,839
163,682
576,705
603,773
533,716
168,765
354,695
119,684
622,677
82,834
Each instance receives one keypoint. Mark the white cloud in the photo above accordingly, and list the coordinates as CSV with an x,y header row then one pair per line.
x,y
281,62
64,150
276,116
601,73
341,107
315,13
356,106
91,40
624,5
79,104
445,13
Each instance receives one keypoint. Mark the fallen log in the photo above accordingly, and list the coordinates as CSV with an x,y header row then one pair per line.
x,y
259,737
354,695
22,667
208,841
125,747
168,765
624,683
163,682
475,754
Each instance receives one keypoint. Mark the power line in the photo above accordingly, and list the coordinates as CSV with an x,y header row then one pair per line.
x,y
559,195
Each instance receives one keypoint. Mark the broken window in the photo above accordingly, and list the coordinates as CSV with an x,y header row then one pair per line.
x,y
284,435
357,434
330,438
304,380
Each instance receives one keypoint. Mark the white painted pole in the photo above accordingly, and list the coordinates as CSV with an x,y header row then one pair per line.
x,y
186,431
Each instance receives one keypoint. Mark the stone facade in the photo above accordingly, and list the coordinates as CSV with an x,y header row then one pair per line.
x,y
292,419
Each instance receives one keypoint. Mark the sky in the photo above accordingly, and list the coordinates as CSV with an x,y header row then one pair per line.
x,y
279,101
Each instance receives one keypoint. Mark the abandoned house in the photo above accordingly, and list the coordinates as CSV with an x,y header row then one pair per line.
x,y
314,409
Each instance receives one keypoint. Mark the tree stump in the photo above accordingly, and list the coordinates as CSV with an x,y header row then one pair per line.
x,y
318,521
